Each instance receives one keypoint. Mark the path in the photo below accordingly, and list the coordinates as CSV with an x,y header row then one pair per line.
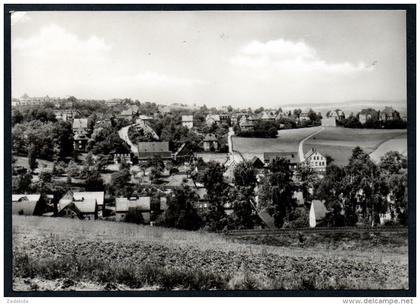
x,y
301,154
123,133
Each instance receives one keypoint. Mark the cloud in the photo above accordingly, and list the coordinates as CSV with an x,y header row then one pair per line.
x,y
292,57
19,17
53,40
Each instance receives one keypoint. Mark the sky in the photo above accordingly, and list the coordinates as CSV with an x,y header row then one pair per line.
x,y
238,58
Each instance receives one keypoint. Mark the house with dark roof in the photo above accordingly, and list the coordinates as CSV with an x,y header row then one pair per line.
x,y
257,163
317,213
388,114
210,143
368,114
80,134
83,205
149,150
337,114
140,204
291,156
247,123
27,204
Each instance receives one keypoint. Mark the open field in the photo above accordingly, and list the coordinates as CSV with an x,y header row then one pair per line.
x,y
287,140
59,254
398,143
42,164
339,142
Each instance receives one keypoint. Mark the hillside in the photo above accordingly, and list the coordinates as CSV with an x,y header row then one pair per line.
x,y
63,254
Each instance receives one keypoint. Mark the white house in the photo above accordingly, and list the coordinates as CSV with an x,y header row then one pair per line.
x,y
187,121
316,161
317,212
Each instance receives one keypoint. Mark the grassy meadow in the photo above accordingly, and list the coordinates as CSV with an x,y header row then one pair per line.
x,y
339,142
68,254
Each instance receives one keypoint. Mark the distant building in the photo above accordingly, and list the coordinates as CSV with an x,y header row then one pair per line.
x,y
144,118
188,121
247,123
83,205
368,114
120,157
129,113
316,161
140,204
291,156
27,204
268,116
80,134
388,114
149,150
304,116
329,122
210,143
212,119
337,114
317,213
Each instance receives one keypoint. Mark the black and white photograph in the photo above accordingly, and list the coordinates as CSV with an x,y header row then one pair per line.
x,y
212,150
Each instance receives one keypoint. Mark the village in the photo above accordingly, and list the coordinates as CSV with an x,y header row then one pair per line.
x,y
178,165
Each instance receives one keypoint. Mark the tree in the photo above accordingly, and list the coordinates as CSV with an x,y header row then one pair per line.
x,y
212,178
245,174
120,179
32,158
282,190
45,177
181,213
21,183
307,180
94,181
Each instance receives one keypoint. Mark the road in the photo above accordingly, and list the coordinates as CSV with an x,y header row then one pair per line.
x,y
123,133
301,153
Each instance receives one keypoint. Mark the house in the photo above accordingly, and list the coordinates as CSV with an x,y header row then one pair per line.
x,y
124,205
27,204
149,150
80,131
188,121
329,122
247,123
403,115
337,114
291,156
317,213
257,163
145,118
298,195
212,119
230,166
203,202
83,205
268,116
65,115
210,143
368,114
304,116
129,113
388,114
316,161
120,157
80,126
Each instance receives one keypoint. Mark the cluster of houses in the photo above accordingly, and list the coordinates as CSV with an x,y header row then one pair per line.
x,y
86,205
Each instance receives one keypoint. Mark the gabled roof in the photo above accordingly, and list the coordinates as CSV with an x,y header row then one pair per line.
x,y
311,152
153,147
124,204
98,196
24,207
87,205
187,118
26,197
80,123
210,138
291,156
319,209
214,117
